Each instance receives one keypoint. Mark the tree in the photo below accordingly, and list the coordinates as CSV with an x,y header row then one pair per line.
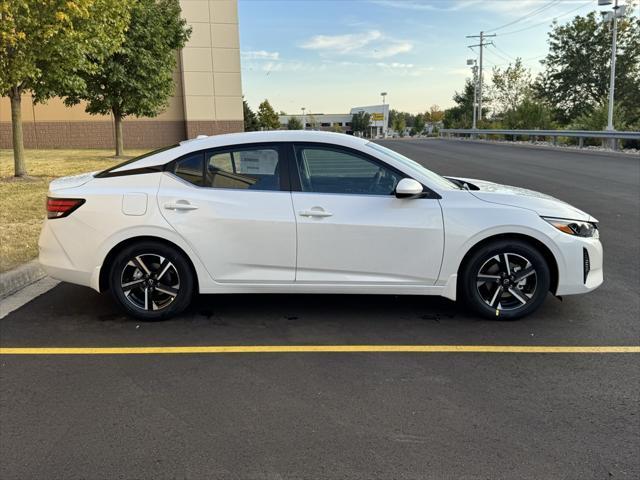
x,y
267,116
137,79
418,124
335,127
251,122
360,122
434,115
46,45
577,68
529,114
294,124
399,124
510,86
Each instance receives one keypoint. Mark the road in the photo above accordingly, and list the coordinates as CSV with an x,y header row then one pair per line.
x,y
345,415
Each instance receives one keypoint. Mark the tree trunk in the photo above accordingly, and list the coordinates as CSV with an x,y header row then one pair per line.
x,y
117,118
20,169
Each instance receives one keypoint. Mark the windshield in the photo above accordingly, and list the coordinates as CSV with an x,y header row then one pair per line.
x,y
433,177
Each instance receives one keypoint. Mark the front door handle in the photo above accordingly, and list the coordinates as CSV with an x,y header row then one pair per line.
x,y
315,212
180,205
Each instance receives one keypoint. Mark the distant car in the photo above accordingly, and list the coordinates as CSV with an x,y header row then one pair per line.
x,y
310,212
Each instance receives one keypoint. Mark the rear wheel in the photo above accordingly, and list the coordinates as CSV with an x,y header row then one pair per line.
x,y
506,279
151,281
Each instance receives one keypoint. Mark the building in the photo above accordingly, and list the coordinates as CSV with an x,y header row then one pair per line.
x,y
379,115
207,98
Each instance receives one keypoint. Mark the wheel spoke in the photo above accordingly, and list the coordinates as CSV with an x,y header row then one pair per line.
x,y
140,264
496,295
166,265
132,283
521,275
506,263
168,290
518,295
146,299
485,277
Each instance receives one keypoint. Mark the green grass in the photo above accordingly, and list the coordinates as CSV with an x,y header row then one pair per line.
x,y
23,199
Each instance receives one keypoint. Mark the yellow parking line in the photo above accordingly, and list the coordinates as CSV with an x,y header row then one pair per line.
x,y
316,349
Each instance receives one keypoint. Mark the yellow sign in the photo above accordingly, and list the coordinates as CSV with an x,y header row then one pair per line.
x,y
377,117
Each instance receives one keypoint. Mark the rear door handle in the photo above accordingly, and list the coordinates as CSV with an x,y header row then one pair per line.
x,y
180,206
315,212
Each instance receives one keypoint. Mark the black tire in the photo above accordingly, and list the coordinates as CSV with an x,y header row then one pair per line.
x,y
160,279
487,280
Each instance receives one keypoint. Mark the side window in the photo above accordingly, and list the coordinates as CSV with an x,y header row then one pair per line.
x,y
252,169
190,168
325,170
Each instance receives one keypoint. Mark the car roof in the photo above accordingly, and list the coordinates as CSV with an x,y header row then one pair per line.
x,y
231,139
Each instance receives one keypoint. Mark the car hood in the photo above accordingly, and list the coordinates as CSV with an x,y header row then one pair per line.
x,y
71,181
544,205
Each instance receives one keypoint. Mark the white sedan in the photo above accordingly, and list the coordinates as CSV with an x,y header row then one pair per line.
x,y
310,212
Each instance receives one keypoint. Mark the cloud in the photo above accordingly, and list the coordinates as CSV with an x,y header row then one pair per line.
x,y
506,7
259,55
369,44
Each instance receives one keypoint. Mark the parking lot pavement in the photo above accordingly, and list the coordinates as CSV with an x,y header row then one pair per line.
x,y
345,415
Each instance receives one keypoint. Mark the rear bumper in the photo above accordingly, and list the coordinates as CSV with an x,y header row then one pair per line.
x,y
56,262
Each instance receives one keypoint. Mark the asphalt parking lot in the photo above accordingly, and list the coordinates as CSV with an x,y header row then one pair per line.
x,y
386,415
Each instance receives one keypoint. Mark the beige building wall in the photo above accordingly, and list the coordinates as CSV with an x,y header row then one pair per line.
x,y
207,97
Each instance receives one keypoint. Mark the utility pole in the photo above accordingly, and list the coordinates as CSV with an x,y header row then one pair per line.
x,y
474,68
482,44
304,119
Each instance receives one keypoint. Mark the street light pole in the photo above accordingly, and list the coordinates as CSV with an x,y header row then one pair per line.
x,y
304,119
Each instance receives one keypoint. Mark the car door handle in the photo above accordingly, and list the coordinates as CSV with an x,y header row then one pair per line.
x,y
315,212
180,206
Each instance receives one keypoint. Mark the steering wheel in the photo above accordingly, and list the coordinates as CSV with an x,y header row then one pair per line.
x,y
376,180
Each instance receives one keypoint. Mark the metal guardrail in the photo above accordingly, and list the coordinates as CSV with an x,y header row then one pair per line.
x,y
579,134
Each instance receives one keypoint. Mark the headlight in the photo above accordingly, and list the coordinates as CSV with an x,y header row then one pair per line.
x,y
574,227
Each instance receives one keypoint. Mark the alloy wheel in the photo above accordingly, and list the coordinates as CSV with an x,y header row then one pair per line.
x,y
150,281
507,281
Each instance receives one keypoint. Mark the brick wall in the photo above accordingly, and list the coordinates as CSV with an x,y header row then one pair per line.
x,y
95,134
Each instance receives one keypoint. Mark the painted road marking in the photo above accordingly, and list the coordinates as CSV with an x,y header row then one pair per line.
x,y
316,349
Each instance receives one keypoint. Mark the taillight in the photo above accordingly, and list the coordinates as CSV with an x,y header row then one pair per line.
x,y
61,207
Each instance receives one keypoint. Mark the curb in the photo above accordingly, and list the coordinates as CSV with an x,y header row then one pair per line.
x,y
20,277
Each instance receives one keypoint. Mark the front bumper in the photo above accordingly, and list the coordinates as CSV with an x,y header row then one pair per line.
x,y
578,275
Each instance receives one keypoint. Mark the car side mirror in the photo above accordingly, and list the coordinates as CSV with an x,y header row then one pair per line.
x,y
408,188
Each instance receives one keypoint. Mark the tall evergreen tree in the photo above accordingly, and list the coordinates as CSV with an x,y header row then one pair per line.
x,y
251,123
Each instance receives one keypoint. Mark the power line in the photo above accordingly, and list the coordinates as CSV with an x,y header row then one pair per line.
x,y
532,13
545,22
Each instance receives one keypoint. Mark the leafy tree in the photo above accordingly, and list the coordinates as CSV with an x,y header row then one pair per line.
x,y
510,86
312,121
360,122
399,124
528,114
267,116
336,128
597,119
577,67
251,122
294,124
46,45
418,124
137,79
434,114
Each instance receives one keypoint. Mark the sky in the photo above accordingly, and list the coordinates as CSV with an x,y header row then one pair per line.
x,y
331,55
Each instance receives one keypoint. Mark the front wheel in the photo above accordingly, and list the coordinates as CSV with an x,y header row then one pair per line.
x,y
151,281
505,279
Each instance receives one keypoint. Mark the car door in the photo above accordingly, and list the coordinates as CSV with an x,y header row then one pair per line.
x,y
351,227
233,206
